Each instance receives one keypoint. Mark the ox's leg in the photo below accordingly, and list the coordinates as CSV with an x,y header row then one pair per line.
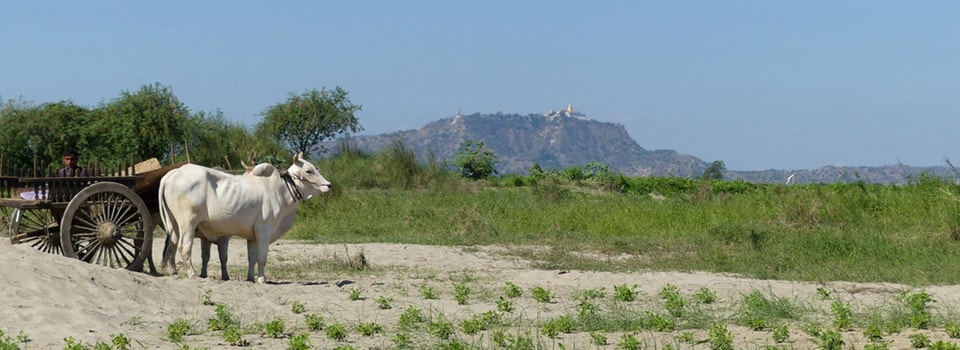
x,y
222,245
204,255
262,246
186,246
169,249
251,258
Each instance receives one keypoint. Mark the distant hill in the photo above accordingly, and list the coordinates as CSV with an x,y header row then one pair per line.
x,y
565,138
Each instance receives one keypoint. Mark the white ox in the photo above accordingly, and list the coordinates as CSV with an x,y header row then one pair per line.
x,y
223,243
258,208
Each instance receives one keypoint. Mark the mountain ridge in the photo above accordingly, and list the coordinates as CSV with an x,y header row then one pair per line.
x,y
565,138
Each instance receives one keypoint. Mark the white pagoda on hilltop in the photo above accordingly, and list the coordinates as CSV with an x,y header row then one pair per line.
x,y
568,113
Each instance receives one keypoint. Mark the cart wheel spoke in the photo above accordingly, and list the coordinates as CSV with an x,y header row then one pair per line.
x,y
109,225
36,227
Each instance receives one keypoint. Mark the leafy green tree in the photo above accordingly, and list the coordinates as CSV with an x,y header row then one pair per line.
x,y
714,171
212,140
305,120
29,132
475,162
149,123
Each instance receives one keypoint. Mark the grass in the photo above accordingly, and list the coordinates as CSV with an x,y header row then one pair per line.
x,y
818,232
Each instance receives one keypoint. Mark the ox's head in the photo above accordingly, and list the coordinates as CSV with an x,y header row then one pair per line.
x,y
307,174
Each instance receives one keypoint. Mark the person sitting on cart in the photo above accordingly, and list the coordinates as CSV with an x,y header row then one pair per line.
x,y
70,166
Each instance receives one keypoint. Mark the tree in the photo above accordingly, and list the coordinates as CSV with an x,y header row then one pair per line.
x,y
212,140
714,171
29,132
305,120
474,162
142,125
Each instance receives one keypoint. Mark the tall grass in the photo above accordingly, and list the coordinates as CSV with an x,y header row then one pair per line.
x,y
817,232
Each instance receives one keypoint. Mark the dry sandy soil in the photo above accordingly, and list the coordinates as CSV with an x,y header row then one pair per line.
x,y
49,298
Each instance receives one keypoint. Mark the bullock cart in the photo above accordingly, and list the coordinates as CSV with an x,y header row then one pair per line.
x,y
104,217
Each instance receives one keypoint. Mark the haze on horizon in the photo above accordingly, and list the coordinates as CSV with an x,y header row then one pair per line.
x,y
756,84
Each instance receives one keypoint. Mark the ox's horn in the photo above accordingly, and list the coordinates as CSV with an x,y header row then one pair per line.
x,y
246,168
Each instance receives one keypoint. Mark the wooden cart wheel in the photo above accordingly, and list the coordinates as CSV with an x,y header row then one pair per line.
x,y
36,227
107,224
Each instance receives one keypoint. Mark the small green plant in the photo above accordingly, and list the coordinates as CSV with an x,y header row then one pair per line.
x,y
830,340
919,340
812,329
410,318
7,343
952,330
207,297
472,326
823,293
781,334
355,293
314,321
21,337
234,336
344,347
298,307
873,332
177,330
441,328
658,322
504,305
598,338
336,332
587,294
275,328
490,318
222,320
368,329
384,303
686,337
553,328
119,341
629,342
705,296
541,295
876,345
512,290
402,341
101,345
942,345
674,301
299,341
73,344
461,293
842,317
587,310
509,341
624,293
720,338
917,304
427,292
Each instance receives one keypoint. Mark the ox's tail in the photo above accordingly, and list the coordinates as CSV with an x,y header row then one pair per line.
x,y
169,225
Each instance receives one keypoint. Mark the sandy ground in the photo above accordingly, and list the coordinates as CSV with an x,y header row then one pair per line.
x,y
49,298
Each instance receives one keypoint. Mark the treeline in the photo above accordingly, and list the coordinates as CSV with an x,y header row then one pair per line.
x,y
153,123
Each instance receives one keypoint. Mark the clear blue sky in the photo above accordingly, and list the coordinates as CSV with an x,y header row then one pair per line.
x,y
756,84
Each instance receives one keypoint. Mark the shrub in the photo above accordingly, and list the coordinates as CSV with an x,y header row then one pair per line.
x,y
336,332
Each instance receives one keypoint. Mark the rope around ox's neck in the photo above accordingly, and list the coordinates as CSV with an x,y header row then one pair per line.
x,y
291,186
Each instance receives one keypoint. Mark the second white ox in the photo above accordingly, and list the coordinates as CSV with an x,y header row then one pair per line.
x,y
259,209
